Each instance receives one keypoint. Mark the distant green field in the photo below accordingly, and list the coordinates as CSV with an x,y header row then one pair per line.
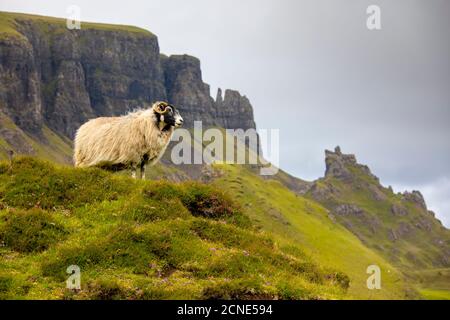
x,y
433,294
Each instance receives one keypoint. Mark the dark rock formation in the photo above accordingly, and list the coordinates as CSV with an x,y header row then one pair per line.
x,y
398,210
415,197
186,89
376,215
348,209
338,165
53,76
234,111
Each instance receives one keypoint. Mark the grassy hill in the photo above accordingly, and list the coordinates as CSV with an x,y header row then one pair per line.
x,y
141,240
147,239
299,226
397,226
302,223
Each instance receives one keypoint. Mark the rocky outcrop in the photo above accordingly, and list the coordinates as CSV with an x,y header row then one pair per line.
x,y
60,78
398,210
234,111
348,209
376,215
186,89
414,197
339,165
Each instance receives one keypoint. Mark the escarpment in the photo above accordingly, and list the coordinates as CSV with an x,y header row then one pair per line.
x,y
58,78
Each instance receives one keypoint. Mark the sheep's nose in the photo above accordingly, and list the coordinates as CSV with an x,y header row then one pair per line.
x,y
179,122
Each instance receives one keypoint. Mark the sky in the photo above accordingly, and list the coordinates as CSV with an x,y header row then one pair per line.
x,y
313,69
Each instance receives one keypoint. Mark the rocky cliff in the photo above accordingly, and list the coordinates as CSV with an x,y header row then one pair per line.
x,y
398,225
54,77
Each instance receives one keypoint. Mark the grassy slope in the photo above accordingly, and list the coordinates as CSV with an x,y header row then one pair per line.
x,y
302,223
8,21
294,222
56,148
413,251
433,284
140,240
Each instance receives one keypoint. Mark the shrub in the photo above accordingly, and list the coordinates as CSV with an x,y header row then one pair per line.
x,y
206,201
200,199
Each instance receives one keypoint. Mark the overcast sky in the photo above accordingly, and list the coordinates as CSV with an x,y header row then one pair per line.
x,y
314,70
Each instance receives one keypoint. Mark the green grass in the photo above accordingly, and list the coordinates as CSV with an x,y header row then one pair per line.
x,y
298,222
431,294
141,240
416,250
8,21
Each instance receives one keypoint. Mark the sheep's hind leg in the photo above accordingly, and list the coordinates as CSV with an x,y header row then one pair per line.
x,y
142,171
133,172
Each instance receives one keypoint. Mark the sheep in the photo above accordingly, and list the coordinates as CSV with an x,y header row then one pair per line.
x,y
136,139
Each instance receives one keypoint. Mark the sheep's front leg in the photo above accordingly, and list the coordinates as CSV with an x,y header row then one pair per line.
x,y
142,171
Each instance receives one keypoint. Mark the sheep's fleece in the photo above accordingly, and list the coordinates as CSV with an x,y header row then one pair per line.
x,y
135,139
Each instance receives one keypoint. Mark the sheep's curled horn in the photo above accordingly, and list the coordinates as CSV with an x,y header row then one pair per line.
x,y
161,108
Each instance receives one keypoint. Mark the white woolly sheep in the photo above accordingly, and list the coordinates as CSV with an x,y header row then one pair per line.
x,y
136,139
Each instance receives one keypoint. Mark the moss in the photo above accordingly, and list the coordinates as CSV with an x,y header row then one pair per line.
x,y
30,231
241,289
105,289
31,183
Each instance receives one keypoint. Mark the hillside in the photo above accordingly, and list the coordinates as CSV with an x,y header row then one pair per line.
x,y
265,237
141,240
396,225
145,240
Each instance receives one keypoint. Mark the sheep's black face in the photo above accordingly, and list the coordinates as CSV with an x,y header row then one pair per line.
x,y
167,114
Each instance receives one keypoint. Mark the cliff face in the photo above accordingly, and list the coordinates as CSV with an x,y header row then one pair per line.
x,y
60,78
186,89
